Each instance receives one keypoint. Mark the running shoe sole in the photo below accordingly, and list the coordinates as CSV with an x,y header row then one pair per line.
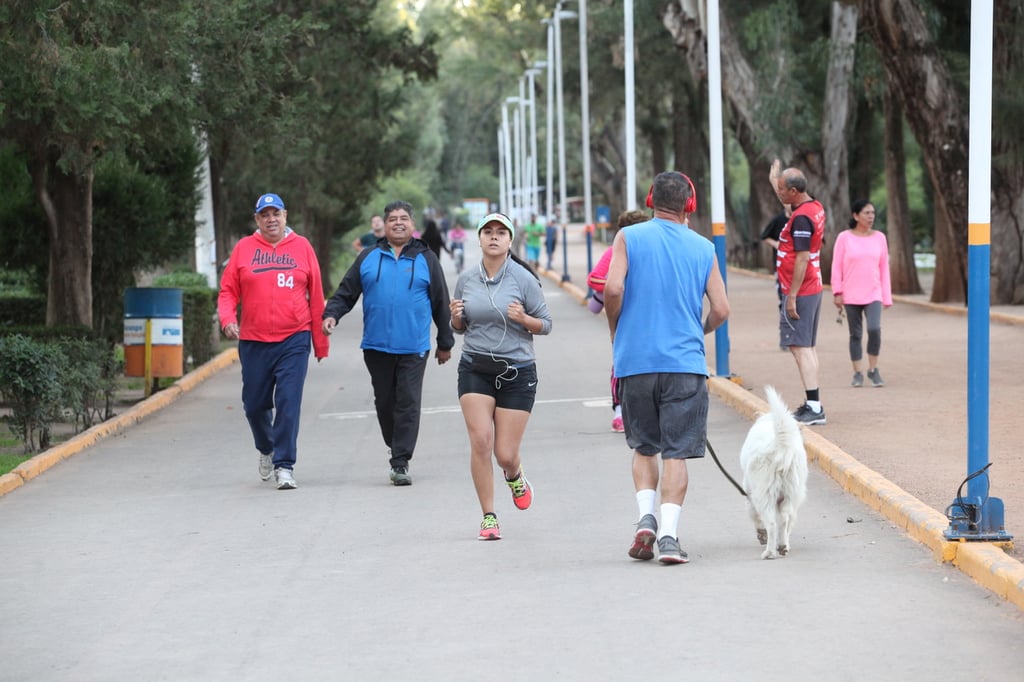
x,y
643,545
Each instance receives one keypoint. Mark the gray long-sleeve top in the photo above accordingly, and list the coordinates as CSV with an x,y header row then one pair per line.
x,y
488,329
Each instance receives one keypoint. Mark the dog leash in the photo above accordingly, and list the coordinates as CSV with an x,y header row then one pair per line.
x,y
722,468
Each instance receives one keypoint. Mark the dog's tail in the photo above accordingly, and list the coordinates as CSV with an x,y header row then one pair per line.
x,y
780,415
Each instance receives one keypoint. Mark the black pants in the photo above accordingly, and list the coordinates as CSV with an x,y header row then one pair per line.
x,y
397,393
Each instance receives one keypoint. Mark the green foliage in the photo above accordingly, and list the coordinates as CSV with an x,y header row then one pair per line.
x,y
198,311
18,308
47,374
143,217
30,382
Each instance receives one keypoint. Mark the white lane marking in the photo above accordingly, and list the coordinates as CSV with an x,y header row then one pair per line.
x,y
365,414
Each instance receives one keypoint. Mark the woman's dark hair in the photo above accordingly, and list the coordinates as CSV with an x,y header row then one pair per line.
x,y
526,265
856,207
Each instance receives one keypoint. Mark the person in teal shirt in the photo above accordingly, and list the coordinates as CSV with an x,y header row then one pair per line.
x,y
534,234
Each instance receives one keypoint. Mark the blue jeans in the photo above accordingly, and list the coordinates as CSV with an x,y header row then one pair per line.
x,y
273,376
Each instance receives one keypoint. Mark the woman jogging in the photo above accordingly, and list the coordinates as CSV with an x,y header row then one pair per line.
x,y
499,308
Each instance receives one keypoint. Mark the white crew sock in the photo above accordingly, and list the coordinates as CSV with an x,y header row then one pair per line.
x,y
645,501
814,405
618,411
669,520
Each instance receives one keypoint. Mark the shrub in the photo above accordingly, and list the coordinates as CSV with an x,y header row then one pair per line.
x,y
30,382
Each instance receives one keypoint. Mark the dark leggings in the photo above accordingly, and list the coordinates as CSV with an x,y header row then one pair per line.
x,y
855,314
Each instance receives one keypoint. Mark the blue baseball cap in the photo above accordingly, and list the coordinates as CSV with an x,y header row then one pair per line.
x,y
268,200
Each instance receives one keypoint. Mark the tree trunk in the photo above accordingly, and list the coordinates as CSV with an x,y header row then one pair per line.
x,y
835,120
1007,243
902,270
66,200
938,119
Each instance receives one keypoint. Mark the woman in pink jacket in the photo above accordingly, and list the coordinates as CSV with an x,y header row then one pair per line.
x,y
860,285
595,280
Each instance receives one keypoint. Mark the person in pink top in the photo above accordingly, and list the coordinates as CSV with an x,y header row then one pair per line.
x,y
861,287
596,280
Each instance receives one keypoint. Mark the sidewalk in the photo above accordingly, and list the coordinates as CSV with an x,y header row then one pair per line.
x,y
903,449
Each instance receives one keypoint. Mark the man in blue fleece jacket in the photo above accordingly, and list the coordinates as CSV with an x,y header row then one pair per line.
x,y
403,289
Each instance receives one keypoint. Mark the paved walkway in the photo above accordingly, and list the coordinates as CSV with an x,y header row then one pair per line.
x,y
156,553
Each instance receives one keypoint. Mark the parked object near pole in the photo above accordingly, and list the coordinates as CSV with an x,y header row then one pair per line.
x,y
153,332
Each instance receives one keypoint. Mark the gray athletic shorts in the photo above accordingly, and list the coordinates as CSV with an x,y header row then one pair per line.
x,y
802,332
666,413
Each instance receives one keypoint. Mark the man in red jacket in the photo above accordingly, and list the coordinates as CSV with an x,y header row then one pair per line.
x,y
275,275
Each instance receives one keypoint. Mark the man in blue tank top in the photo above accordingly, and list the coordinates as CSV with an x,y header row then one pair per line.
x,y
659,275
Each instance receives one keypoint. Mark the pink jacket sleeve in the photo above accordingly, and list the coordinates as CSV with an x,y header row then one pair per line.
x,y
599,275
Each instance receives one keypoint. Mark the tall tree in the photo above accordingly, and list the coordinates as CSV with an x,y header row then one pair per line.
x,y
78,79
933,106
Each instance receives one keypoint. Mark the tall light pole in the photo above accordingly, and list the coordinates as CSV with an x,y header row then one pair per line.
x,y
588,209
530,74
562,206
630,123
549,140
502,189
507,146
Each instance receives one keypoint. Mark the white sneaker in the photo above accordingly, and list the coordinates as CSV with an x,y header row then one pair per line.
x,y
266,466
285,480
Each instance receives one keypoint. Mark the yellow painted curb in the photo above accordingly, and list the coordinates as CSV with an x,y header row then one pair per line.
x,y
986,563
35,466
9,482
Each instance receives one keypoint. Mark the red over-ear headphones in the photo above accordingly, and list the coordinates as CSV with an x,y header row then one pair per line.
x,y
691,203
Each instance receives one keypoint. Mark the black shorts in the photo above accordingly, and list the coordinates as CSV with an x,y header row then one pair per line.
x,y
514,389
666,413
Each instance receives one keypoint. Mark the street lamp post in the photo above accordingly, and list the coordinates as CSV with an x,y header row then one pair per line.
x,y
588,209
530,74
562,206
630,123
549,140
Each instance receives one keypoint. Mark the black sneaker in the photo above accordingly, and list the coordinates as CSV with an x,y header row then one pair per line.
x,y
858,379
400,476
876,378
805,415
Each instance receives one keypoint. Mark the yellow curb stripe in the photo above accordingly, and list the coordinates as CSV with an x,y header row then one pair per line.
x,y
9,482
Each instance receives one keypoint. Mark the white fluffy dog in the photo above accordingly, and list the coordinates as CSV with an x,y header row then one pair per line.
x,y
774,474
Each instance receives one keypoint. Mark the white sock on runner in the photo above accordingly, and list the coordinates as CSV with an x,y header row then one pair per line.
x,y
669,520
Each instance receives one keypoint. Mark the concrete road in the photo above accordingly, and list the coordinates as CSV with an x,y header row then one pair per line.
x,y
158,554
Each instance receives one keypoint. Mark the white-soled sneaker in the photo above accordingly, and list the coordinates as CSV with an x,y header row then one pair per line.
x,y
285,480
266,466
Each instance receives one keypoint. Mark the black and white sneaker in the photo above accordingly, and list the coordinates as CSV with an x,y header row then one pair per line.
x,y
806,415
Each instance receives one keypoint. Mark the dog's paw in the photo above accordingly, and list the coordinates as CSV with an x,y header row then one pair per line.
x,y
762,536
769,554
783,550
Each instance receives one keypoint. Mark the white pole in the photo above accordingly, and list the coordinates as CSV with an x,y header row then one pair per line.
x,y
549,142
563,211
588,209
630,124
205,239
502,195
524,180
534,179
715,122
507,208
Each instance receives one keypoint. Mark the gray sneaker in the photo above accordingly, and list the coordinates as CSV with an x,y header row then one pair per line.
x,y
266,466
643,540
876,378
858,380
400,476
285,480
669,551
805,415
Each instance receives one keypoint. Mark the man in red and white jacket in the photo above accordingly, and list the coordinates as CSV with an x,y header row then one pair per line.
x,y
275,276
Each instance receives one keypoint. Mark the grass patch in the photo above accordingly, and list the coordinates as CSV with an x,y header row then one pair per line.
x,y
8,462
